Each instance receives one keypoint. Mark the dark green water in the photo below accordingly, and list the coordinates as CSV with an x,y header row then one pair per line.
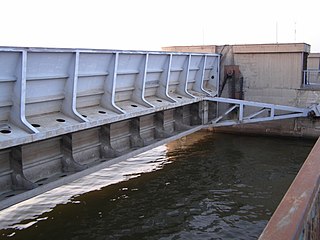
x,y
206,186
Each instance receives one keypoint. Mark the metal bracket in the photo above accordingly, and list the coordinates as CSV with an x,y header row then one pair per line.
x,y
315,110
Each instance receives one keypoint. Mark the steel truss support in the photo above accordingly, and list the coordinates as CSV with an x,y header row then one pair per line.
x,y
241,111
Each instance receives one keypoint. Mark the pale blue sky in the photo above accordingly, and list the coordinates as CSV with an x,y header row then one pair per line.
x,y
151,24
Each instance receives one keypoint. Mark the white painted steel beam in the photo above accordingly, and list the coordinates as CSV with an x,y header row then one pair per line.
x,y
18,109
69,101
139,85
198,85
183,78
108,98
163,89
239,117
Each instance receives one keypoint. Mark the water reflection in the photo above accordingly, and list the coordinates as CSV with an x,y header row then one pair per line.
x,y
24,214
217,186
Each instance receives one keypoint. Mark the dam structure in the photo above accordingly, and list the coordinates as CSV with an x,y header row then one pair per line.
x,y
66,110
65,113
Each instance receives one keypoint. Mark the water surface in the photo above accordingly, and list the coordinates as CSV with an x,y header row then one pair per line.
x,y
203,186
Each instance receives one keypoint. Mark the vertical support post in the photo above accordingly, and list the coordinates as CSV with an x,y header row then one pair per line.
x,y
18,109
272,112
106,150
198,85
70,96
179,125
68,162
135,137
182,87
138,92
163,88
19,181
207,111
241,112
196,117
108,98
159,125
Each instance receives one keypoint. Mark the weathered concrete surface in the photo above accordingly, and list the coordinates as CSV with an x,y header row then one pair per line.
x,y
301,127
272,48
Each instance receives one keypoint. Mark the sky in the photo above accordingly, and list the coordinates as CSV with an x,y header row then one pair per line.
x,y
152,24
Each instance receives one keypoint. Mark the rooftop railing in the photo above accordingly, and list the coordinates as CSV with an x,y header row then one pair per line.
x,y
311,77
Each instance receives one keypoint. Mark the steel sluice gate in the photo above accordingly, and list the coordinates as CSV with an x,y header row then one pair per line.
x,y
66,110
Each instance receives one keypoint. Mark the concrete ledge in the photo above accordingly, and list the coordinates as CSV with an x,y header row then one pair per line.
x,y
272,48
247,48
195,49
314,55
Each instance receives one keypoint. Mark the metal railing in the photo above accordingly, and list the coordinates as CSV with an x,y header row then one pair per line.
x,y
311,77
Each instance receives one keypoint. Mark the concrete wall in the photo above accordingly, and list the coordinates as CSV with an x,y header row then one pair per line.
x,y
272,73
314,61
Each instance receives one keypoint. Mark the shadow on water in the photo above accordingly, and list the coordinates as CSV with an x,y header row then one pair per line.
x,y
217,186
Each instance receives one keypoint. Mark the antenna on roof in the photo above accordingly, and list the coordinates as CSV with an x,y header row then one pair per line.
x,y
276,31
295,31
202,35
